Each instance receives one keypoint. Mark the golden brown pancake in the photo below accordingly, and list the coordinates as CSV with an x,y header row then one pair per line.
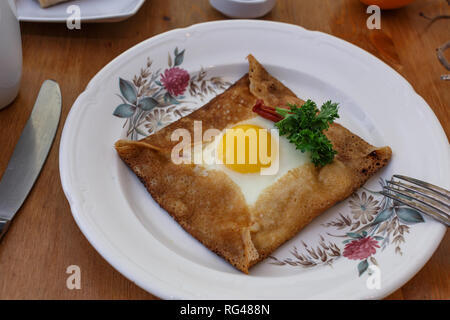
x,y
212,208
48,3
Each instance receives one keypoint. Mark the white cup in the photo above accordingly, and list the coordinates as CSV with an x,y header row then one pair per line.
x,y
10,53
243,9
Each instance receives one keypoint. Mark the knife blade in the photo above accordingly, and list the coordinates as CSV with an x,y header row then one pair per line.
x,y
30,153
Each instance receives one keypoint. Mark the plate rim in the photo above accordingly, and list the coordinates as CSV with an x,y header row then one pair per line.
x,y
160,291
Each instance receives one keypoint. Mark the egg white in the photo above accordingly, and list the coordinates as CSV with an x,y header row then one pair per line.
x,y
252,184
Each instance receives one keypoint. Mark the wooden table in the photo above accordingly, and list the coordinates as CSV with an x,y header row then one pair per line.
x,y
44,239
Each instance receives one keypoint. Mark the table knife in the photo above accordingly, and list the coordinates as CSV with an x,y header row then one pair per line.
x,y
30,153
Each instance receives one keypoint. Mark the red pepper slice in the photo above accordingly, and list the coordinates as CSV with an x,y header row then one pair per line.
x,y
266,112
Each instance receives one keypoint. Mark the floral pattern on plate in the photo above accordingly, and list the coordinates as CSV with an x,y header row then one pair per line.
x,y
372,225
155,98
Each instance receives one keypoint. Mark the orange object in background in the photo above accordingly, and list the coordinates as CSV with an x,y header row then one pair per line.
x,y
388,4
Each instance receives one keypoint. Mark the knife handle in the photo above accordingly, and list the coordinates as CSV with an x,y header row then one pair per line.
x,y
4,225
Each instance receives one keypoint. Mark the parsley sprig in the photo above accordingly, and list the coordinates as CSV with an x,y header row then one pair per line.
x,y
304,126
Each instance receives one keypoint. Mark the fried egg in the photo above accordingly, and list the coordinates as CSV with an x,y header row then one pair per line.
x,y
257,158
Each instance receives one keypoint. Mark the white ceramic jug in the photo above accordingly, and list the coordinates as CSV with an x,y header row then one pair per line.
x,y
10,53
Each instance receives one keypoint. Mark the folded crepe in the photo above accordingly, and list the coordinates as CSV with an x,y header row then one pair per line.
x,y
212,207
48,3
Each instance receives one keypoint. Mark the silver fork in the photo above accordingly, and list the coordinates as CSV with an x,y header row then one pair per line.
x,y
422,196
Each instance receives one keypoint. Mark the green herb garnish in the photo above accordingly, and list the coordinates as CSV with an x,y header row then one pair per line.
x,y
304,126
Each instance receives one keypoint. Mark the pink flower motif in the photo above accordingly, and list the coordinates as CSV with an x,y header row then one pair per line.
x,y
175,80
360,249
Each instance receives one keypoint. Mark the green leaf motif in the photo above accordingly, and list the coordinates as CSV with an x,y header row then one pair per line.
x,y
179,57
362,267
128,91
124,111
148,103
383,216
170,99
354,235
408,215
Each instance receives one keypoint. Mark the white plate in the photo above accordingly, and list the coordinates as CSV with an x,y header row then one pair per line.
x,y
91,11
141,241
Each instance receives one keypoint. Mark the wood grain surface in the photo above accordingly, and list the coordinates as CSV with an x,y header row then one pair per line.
x,y
44,239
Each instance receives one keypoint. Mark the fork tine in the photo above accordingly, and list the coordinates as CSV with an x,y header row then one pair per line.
x,y
445,219
410,195
427,193
426,185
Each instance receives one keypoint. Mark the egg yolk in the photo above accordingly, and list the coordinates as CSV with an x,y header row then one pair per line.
x,y
246,148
